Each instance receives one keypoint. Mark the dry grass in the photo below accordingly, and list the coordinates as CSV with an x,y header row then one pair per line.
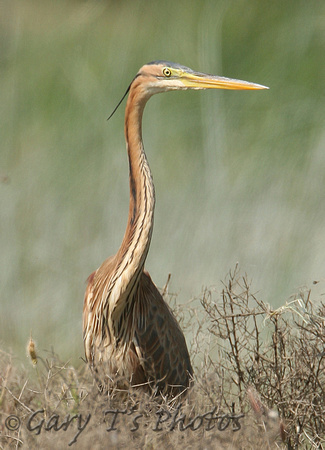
x,y
259,381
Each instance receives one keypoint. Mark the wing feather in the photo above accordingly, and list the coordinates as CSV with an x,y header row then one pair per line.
x,y
161,341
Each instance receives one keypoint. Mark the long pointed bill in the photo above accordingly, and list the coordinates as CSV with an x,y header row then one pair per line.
x,y
198,80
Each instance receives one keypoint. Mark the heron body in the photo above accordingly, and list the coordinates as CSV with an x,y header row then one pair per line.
x,y
131,336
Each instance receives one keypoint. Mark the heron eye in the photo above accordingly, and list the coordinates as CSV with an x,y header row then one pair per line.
x,y
167,72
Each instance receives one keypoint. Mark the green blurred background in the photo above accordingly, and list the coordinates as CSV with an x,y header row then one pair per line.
x,y
239,176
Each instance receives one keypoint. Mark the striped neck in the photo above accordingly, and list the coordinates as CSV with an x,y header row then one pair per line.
x,y
131,256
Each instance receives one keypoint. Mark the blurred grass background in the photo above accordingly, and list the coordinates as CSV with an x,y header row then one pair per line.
x,y
239,176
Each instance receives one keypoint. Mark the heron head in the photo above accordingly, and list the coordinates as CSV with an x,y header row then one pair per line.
x,y
162,76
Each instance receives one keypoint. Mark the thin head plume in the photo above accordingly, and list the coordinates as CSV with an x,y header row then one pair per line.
x,y
126,93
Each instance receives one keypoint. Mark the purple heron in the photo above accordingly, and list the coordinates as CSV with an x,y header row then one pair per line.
x,y
130,334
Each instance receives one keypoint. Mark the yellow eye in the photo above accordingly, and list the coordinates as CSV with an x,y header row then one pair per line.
x,y
167,72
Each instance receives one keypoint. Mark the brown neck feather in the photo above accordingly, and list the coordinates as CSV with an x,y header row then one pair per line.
x,y
131,256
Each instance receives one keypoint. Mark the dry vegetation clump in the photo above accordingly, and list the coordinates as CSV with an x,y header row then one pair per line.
x,y
259,381
60,407
276,358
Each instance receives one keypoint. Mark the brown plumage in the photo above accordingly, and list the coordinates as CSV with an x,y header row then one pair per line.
x,y
131,337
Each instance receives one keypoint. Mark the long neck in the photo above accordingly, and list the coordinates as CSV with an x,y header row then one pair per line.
x,y
131,256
